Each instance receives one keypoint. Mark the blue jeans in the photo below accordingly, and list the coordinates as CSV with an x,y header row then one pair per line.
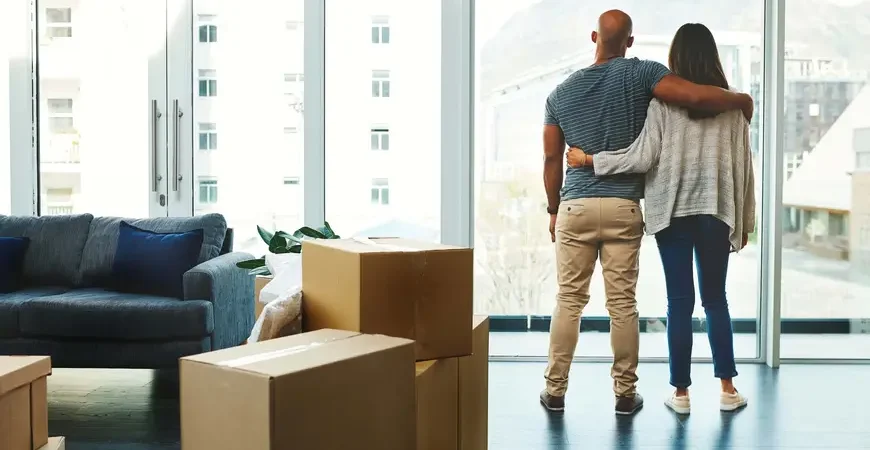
x,y
707,238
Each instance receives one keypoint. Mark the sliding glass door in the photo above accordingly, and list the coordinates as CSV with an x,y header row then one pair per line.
x,y
103,115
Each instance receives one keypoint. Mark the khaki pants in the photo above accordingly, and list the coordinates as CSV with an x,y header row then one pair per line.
x,y
586,230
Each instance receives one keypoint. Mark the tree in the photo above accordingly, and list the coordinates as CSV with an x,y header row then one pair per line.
x,y
517,258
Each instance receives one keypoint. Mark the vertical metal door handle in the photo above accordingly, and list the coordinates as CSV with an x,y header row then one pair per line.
x,y
176,175
155,126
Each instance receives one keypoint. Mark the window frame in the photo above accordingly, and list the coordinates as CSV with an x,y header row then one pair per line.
x,y
379,138
207,83
50,25
381,83
380,192
209,131
380,30
211,189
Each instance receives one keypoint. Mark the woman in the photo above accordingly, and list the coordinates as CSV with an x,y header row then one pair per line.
x,y
699,199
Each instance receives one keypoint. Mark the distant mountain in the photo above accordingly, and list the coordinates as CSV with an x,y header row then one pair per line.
x,y
552,29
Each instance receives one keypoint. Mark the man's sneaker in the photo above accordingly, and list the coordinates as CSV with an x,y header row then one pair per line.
x,y
626,406
732,402
680,404
552,402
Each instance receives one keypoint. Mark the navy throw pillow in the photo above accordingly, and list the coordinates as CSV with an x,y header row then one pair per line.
x,y
154,263
12,250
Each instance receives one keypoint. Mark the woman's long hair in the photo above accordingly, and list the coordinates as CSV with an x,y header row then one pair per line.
x,y
695,57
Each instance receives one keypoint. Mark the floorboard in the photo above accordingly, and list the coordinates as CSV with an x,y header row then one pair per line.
x,y
795,407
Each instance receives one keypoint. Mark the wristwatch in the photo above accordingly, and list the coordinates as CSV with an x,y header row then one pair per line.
x,y
552,211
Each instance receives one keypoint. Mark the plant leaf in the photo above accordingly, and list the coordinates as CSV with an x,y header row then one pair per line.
x,y
327,231
311,232
265,235
260,271
251,263
296,249
278,242
289,237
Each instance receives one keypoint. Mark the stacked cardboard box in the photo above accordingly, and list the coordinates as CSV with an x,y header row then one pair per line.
x,y
415,290
327,389
408,370
24,402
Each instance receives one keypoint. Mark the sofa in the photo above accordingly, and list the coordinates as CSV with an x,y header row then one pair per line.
x,y
68,305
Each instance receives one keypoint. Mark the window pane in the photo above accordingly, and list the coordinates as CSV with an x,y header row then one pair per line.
x,y
826,209
94,96
203,88
58,15
260,127
355,205
203,33
385,35
375,142
523,53
203,141
376,35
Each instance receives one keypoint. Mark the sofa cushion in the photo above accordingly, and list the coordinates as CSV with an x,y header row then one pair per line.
x,y
99,252
154,263
12,252
56,243
100,314
10,305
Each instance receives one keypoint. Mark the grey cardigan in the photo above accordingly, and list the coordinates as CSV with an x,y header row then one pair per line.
x,y
692,167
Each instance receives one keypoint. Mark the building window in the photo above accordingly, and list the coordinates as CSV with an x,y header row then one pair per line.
x,y
60,116
837,224
208,191
58,22
380,138
207,136
293,83
291,181
380,83
293,25
207,83
380,191
290,130
208,33
380,30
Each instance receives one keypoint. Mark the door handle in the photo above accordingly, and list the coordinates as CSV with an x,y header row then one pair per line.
x,y
155,126
176,177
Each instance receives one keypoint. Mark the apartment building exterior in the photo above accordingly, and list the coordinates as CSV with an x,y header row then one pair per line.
x,y
383,115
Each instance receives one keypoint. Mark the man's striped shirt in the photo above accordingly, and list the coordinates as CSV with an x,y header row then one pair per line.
x,y
602,108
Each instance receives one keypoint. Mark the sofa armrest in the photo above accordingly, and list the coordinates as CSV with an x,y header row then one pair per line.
x,y
231,291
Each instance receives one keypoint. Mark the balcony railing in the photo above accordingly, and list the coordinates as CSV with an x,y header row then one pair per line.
x,y
60,151
58,209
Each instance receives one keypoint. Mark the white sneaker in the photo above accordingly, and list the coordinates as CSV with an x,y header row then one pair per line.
x,y
680,405
732,402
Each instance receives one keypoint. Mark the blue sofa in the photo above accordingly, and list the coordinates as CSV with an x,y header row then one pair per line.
x,y
67,309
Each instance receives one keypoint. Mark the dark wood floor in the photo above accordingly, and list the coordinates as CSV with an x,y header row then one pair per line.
x,y
795,407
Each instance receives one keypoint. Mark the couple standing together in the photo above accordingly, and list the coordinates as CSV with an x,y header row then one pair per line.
x,y
679,138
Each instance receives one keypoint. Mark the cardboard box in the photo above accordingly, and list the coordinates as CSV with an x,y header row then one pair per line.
x,y
55,443
396,287
24,402
438,404
474,390
329,390
259,283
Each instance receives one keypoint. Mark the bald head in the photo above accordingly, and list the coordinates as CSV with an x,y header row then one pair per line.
x,y
614,32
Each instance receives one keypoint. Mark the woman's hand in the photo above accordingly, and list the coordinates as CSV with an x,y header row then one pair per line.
x,y
575,157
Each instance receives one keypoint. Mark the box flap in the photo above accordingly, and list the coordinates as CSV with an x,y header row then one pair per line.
x,y
274,348
16,371
381,245
423,366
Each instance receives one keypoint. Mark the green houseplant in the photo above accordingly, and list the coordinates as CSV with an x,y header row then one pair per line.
x,y
282,242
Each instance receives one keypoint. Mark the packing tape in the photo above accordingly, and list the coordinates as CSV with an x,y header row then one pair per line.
x,y
260,357
393,247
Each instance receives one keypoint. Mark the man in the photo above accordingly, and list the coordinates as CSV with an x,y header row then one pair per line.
x,y
603,108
